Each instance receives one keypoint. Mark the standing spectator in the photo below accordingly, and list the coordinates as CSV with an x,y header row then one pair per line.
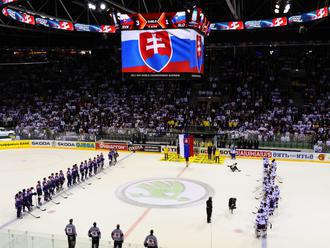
x,y
118,237
70,231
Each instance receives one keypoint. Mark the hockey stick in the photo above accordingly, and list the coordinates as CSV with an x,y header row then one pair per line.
x,y
256,211
98,177
81,186
35,216
65,197
37,203
55,202
257,188
278,180
88,183
270,225
42,209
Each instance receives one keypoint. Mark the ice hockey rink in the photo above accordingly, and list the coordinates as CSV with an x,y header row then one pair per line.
x,y
178,220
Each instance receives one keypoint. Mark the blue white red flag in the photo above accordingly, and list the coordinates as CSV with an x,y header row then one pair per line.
x,y
153,51
186,144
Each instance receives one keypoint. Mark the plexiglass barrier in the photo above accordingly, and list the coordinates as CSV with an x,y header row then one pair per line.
x,y
21,239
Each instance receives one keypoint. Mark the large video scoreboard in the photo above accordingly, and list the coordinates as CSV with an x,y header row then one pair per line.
x,y
153,20
166,53
163,45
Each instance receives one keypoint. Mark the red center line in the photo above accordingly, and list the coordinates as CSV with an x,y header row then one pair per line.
x,y
145,213
137,222
181,172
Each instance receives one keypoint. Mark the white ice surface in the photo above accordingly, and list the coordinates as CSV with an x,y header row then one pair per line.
x,y
301,220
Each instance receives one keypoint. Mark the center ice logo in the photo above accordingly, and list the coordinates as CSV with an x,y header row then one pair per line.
x,y
155,49
164,192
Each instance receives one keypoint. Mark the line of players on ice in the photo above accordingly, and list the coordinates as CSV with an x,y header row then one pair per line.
x,y
269,197
55,182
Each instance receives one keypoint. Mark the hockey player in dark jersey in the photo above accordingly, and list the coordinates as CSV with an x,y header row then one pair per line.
x,y
25,200
69,178
151,241
95,165
98,161
118,237
94,233
19,204
70,231
50,185
74,174
233,167
45,190
77,172
90,167
86,169
82,171
57,182
30,195
232,204
39,192
102,160
110,156
51,182
115,156
62,179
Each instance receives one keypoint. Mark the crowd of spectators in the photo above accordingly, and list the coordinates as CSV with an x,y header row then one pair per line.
x,y
253,95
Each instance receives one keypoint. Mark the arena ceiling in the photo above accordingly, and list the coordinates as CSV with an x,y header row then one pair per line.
x,y
216,10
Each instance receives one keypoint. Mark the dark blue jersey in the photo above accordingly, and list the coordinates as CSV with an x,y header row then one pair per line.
x,y
39,189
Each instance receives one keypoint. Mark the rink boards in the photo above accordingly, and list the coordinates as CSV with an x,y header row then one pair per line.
x,y
294,156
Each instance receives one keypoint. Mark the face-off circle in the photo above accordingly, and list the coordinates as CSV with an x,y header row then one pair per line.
x,y
164,192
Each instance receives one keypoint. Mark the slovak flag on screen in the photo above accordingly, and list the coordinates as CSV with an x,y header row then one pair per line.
x,y
162,51
155,49
186,144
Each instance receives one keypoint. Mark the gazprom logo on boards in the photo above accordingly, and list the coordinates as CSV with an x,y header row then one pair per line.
x,y
164,192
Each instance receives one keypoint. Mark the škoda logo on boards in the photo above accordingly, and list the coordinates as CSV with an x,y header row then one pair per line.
x,y
43,143
75,145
